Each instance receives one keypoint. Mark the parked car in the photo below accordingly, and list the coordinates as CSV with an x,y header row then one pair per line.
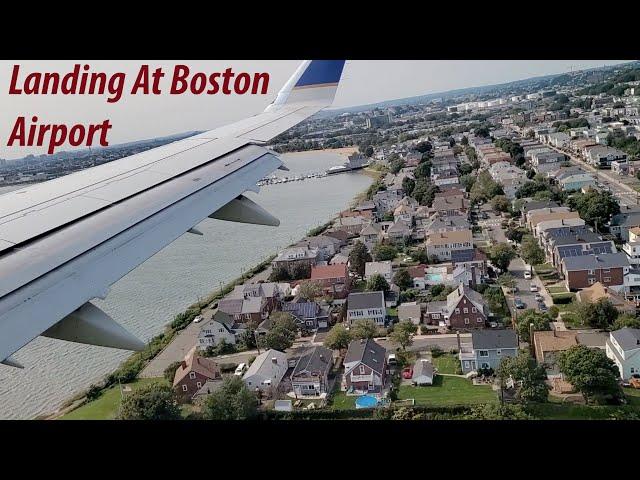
x,y
542,307
518,303
539,298
533,287
407,373
392,360
240,369
197,319
527,275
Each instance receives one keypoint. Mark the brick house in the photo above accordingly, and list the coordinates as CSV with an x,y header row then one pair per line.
x,y
585,270
334,279
365,367
466,309
193,373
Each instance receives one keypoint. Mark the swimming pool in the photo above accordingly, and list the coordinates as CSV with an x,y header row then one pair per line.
x,y
434,277
366,401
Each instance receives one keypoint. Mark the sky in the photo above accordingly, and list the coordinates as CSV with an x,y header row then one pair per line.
x,y
137,117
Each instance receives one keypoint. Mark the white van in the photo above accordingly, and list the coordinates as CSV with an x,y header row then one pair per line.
x,y
392,360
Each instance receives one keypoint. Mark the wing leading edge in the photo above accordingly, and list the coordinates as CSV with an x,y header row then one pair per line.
x,y
65,242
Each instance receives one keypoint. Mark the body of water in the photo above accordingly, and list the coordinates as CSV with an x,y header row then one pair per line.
x,y
190,268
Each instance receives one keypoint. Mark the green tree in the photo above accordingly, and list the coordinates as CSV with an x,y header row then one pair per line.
x,y
531,251
424,192
155,401
600,314
170,371
396,165
403,333
507,280
591,372
540,322
279,274
501,255
496,411
232,401
310,290
595,207
382,252
300,271
364,329
408,184
467,181
464,141
402,279
515,233
358,257
282,333
369,151
529,376
338,338
499,203
626,320
377,283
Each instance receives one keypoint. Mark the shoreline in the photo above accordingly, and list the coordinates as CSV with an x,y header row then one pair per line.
x,y
342,151
159,342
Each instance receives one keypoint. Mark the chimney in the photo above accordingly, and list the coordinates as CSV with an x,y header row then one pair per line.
x,y
274,360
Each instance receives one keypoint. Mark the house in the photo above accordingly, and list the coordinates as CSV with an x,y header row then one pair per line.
x,y
548,345
598,291
352,226
399,232
404,213
417,275
534,217
371,235
450,206
586,243
632,247
437,223
194,371
365,367
334,279
487,349
585,270
310,315
291,258
327,246
466,309
310,377
441,245
378,268
422,372
366,306
217,329
623,347
410,311
266,372
577,181
387,200
602,156
622,222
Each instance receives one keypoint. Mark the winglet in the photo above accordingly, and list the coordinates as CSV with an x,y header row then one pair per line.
x,y
315,82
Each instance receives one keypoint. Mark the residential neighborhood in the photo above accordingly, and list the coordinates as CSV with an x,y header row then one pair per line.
x,y
494,260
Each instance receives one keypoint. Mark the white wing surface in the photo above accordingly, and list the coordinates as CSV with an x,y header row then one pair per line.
x,y
66,241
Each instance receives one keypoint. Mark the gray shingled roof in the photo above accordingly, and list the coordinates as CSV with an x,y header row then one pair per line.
x,y
314,360
368,352
494,339
593,262
422,367
356,301
627,338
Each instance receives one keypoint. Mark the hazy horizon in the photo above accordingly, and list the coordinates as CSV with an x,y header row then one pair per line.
x,y
140,117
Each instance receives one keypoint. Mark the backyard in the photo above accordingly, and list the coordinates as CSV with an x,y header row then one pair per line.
x,y
106,406
447,363
448,391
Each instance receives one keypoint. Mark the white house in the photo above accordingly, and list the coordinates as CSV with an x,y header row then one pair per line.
x,y
366,306
623,347
380,268
217,329
266,371
422,372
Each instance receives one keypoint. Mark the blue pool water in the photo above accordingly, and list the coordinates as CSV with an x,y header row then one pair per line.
x,y
434,277
366,401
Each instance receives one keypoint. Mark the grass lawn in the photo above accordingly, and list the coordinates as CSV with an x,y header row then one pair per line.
x,y
543,268
633,396
392,312
448,391
106,406
447,364
340,401
557,289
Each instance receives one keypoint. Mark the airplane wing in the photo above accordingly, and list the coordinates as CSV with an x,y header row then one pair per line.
x,y
66,241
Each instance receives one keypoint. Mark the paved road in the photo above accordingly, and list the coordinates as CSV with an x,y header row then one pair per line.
x,y
187,339
626,194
